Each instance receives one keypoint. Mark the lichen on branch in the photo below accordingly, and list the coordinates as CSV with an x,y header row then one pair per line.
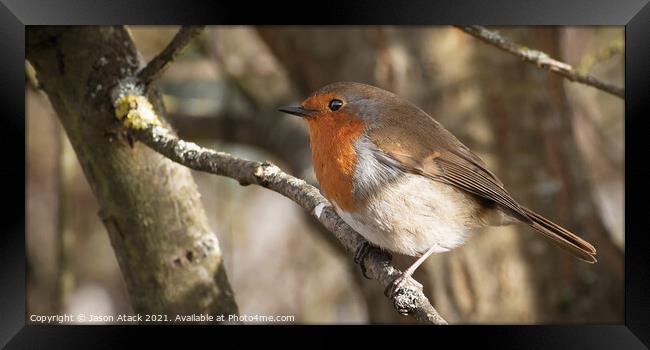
x,y
132,108
136,112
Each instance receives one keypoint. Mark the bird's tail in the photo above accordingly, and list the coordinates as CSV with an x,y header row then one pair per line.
x,y
568,241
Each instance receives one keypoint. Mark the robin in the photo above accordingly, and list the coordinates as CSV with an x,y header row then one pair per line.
x,y
405,183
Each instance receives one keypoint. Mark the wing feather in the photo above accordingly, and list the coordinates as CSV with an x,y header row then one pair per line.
x,y
417,143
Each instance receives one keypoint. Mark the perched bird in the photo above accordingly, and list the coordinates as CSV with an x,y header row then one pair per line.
x,y
404,182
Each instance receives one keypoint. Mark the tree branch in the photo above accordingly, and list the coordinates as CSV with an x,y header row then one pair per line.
x,y
541,59
159,64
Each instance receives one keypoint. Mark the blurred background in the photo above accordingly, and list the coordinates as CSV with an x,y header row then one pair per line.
x,y
557,145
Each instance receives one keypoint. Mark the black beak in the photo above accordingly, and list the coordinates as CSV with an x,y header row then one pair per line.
x,y
299,111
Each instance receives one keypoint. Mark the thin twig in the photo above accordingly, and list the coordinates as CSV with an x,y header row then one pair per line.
x,y
157,66
542,60
408,300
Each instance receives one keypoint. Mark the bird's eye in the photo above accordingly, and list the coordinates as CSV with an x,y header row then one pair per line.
x,y
335,105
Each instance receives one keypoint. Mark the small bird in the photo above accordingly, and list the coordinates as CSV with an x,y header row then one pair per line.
x,y
405,183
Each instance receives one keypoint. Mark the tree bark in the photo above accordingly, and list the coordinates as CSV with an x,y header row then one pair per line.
x,y
169,256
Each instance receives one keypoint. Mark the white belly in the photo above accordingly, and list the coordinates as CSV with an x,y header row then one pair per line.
x,y
414,214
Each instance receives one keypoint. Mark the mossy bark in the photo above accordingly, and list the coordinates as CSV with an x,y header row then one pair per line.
x,y
169,257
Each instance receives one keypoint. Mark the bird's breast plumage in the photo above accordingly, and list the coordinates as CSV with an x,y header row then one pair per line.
x,y
413,214
332,141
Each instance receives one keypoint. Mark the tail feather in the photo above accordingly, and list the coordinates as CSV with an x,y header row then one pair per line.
x,y
575,245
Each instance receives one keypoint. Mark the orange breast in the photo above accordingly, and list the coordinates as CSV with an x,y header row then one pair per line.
x,y
332,139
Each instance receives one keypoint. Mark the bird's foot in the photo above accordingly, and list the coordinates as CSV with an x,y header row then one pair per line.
x,y
362,252
393,288
360,255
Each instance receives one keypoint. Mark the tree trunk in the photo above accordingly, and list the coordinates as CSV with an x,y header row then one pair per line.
x,y
169,257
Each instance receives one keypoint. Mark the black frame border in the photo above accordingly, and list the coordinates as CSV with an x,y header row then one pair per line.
x,y
634,15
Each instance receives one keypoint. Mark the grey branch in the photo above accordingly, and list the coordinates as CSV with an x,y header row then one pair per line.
x,y
157,66
541,59
409,300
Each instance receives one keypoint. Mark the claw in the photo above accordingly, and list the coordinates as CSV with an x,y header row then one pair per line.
x,y
360,255
394,287
361,252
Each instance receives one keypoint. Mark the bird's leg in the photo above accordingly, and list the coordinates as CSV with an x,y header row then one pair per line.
x,y
392,288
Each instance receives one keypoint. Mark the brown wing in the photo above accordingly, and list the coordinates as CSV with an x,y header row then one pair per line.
x,y
442,157
421,145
